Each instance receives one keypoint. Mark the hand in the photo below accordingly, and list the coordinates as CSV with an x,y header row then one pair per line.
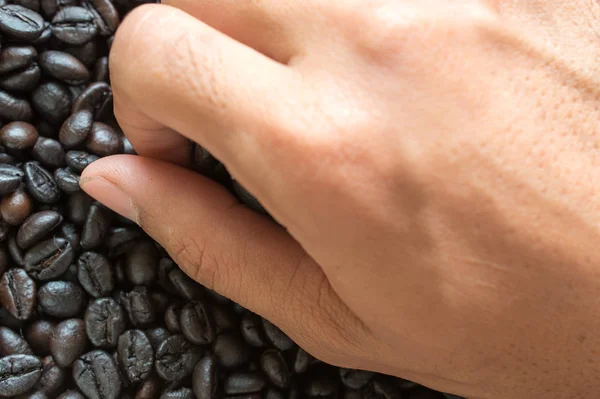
x,y
434,162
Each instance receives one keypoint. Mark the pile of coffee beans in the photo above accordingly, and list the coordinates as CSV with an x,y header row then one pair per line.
x,y
91,307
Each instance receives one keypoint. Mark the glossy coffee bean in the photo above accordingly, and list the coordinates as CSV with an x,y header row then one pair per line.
x,y
105,321
273,365
96,375
277,337
74,25
61,299
48,152
178,393
300,360
121,239
135,355
15,252
139,307
78,207
20,23
103,140
14,108
38,336
156,336
79,160
49,259
64,67
205,378
40,184
95,273
141,263
86,53
384,389
106,15
71,395
10,178
196,323
183,285
251,328
16,207
355,379
15,57
230,350
36,227
243,382
51,7
175,358
18,293
96,227
18,135
68,341
172,318
97,98
100,72
18,374
76,128
69,232
52,379
149,389
52,101
22,81
320,385
12,343
67,181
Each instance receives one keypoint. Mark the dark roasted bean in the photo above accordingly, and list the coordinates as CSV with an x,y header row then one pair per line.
x,y
252,330
64,67
18,135
22,81
320,385
355,379
418,393
68,341
14,58
16,207
50,7
205,378
8,320
183,285
10,178
96,226
67,181
71,395
95,273
96,375
382,388
106,15
62,299
156,336
15,252
76,128
277,337
241,383
78,207
179,393
196,323
12,343
120,239
20,23
100,71
141,263
41,184
300,360
104,322
225,319
18,293
275,368
38,335
48,152
97,98
79,160
74,25
49,259
36,227
139,307
230,350
275,394
175,358
203,161
18,374
86,53
136,356
14,108
172,318
52,101
103,140
149,389
52,377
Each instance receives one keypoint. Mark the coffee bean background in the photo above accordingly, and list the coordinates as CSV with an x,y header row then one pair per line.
x,y
91,307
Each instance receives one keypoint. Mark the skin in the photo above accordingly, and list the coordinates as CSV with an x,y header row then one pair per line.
x,y
435,164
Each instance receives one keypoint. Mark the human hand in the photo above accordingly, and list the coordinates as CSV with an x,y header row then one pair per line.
x,y
435,164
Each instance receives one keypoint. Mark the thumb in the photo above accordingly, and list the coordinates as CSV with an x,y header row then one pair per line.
x,y
222,244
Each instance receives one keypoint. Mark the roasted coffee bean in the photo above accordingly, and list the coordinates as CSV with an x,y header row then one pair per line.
x,y
156,336
106,15
62,299
121,239
20,23
10,321
16,207
36,227
230,350
225,319
64,67
68,341
18,374
51,7
252,330
179,393
196,323
74,25
149,389
103,140
22,81
96,227
183,285
14,58
277,337
172,318
96,375
128,147
139,307
79,160
247,198
301,360
100,72
382,388
175,358
71,395
69,232
52,377
97,98
33,395
45,36
243,382
136,356
95,273
38,335
10,178
205,378
67,181
86,53
272,393
273,365
18,293
355,379
104,322
49,259
12,343
14,108
78,207
52,101
320,385
76,128
48,152
18,135
15,252
40,184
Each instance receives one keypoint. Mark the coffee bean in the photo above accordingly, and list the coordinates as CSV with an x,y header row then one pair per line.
x,y
150,389
243,382
18,135
40,184
382,388
97,98
277,337
301,360
62,299
139,307
49,259
136,356
86,53
23,80
230,350
103,140
18,293
96,375
76,128
16,207
175,358
52,101
275,368
272,393
71,395
36,227
74,25
96,227
95,273
128,147
52,377
104,322
79,160
48,152
78,207
33,395
205,378
15,252
67,181
68,341
172,318
196,323
10,178
18,374
156,336
320,385
355,379
69,232
12,343
121,239
14,108
38,335
252,330
20,23
10,321
100,71
51,7
183,285
14,58
225,319
106,15
64,67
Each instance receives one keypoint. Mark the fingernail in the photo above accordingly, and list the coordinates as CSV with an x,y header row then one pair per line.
x,y
110,195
